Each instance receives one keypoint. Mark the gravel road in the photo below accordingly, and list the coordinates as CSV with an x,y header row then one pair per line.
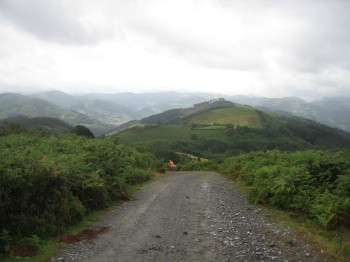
x,y
190,216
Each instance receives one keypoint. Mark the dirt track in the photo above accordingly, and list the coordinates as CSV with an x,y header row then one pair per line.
x,y
190,216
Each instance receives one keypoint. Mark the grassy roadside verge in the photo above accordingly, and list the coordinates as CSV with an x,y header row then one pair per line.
x,y
50,247
334,243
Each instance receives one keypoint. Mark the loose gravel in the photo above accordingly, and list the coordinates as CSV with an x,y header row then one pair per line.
x,y
191,216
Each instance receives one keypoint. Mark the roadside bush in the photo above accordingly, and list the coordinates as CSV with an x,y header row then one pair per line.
x,y
316,183
330,209
135,175
49,183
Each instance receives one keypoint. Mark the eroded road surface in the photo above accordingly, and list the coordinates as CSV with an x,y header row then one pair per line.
x,y
190,216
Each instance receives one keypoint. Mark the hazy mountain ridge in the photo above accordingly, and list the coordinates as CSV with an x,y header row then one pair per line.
x,y
330,111
105,111
16,104
59,98
334,112
140,105
13,105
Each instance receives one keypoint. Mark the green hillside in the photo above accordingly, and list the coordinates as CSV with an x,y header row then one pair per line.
x,y
241,116
49,124
220,129
168,132
202,112
12,105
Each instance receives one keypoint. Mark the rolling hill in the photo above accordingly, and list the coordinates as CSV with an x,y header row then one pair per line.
x,y
104,111
15,105
226,127
59,98
334,111
12,105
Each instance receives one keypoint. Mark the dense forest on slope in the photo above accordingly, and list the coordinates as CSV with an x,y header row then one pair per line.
x,y
50,182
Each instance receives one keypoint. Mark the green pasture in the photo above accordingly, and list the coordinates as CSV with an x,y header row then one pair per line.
x,y
169,133
236,116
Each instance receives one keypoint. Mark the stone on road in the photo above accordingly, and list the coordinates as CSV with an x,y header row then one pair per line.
x,y
190,216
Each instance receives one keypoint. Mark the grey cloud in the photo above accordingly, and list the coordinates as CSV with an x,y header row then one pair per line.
x,y
45,19
324,39
321,42
186,42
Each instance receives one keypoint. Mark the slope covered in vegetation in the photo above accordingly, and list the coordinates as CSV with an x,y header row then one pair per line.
x,y
315,183
221,129
49,124
49,183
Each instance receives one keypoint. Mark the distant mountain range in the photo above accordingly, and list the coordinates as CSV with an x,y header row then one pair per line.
x,y
138,105
119,108
333,112
105,111
330,111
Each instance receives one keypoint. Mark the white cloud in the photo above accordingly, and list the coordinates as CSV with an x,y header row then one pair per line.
x,y
271,48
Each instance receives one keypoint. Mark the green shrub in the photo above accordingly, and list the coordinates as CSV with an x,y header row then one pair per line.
x,y
330,209
135,175
316,183
49,183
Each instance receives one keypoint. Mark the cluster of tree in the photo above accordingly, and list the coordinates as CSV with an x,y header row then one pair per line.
x,y
50,182
209,102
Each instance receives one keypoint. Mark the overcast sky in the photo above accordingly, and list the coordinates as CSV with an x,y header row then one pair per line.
x,y
272,48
